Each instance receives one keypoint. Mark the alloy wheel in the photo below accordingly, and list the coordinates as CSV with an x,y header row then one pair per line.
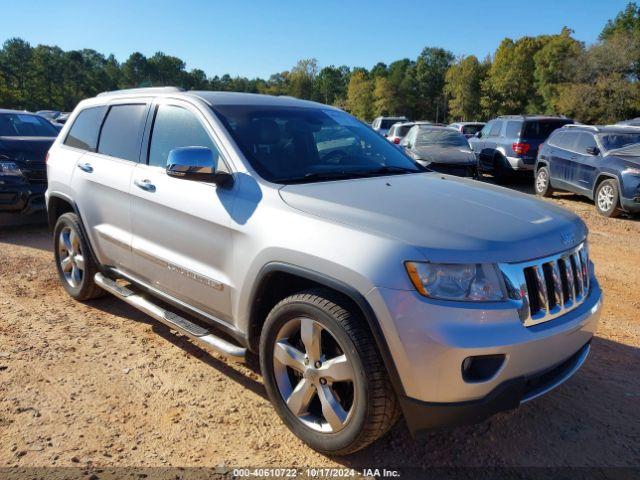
x,y
314,375
606,198
542,180
70,257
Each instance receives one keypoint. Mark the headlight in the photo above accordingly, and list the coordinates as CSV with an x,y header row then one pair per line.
x,y
10,169
462,282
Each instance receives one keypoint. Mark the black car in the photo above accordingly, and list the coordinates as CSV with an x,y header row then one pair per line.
x,y
509,144
601,163
441,149
25,139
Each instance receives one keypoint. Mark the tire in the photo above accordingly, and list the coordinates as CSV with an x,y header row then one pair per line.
x,y
368,405
607,199
542,182
500,172
74,262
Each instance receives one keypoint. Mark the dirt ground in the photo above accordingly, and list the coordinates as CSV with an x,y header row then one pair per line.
x,y
101,384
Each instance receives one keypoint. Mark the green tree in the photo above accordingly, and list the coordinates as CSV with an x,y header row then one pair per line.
x,y
15,62
462,86
331,84
302,77
627,21
430,70
360,95
384,97
136,71
166,70
556,64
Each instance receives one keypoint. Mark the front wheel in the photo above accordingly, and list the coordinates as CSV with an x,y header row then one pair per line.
x,y
75,264
543,183
608,199
324,375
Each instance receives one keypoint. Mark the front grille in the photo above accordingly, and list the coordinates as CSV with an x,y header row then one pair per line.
x,y
35,176
548,287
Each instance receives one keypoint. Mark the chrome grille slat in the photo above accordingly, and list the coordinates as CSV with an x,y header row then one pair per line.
x,y
549,287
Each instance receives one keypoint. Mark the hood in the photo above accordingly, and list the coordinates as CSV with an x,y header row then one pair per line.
x,y
448,155
30,150
447,219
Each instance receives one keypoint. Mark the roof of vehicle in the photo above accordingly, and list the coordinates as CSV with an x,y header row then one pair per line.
x,y
21,112
603,128
467,123
401,117
217,98
533,117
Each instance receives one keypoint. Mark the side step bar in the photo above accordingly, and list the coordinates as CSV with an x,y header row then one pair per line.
x,y
171,320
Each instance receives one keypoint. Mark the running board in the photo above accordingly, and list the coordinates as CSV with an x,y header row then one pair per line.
x,y
171,320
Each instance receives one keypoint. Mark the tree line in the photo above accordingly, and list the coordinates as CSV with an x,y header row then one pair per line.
x,y
551,74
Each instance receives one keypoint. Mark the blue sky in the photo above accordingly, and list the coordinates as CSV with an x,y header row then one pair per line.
x,y
257,38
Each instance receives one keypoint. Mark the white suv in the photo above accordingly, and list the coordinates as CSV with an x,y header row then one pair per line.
x,y
369,286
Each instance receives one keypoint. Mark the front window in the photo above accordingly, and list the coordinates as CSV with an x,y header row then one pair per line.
x,y
441,137
293,144
25,125
612,141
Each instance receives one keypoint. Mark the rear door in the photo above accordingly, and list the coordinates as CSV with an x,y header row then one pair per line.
x,y
182,238
102,178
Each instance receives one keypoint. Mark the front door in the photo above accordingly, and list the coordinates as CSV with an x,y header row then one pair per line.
x,y
181,228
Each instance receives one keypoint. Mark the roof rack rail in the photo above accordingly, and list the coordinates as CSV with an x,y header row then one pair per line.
x,y
622,126
578,125
142,90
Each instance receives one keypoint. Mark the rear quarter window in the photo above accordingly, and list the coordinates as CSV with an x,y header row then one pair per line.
x,y
84,131
513,129
121,133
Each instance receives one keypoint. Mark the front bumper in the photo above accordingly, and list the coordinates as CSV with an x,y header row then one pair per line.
x,y
25,198
430,340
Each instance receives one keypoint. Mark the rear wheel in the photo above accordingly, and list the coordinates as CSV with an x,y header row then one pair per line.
x,y
76,267
543,182
608,199
324,375
501,173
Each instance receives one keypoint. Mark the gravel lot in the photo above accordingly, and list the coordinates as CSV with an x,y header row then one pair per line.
x,y
100,384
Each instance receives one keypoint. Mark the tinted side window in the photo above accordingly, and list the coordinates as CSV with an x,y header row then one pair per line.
x,y
495,128
122,131
513,129
585,140
84,131
565,140
176,127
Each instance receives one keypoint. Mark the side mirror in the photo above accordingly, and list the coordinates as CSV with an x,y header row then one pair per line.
x,y
195,163
593,150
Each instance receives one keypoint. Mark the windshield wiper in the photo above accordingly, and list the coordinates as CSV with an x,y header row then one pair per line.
x,y
314,176
389,169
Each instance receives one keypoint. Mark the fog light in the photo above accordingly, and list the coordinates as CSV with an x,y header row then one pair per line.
x,y
481,368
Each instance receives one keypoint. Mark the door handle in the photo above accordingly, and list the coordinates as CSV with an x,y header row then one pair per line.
x,y
85,167
145,185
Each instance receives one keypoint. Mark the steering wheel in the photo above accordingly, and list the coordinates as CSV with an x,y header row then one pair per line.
x,y
335,157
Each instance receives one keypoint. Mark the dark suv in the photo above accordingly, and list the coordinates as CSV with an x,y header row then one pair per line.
x,y
509,144
601,163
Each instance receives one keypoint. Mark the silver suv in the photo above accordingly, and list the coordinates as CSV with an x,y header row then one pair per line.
x,y
369,286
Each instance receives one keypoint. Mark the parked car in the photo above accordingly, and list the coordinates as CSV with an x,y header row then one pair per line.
x,y
634,122
441,149
398,130
24,141
601,163
367,285
383,124
50,115
468,129
509,144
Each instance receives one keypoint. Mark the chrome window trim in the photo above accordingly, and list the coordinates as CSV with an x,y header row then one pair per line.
x,y
575,261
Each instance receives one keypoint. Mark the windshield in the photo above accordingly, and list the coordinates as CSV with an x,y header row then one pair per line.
x,y
25,125
441,137
472,129
387,123
611,141
293,144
